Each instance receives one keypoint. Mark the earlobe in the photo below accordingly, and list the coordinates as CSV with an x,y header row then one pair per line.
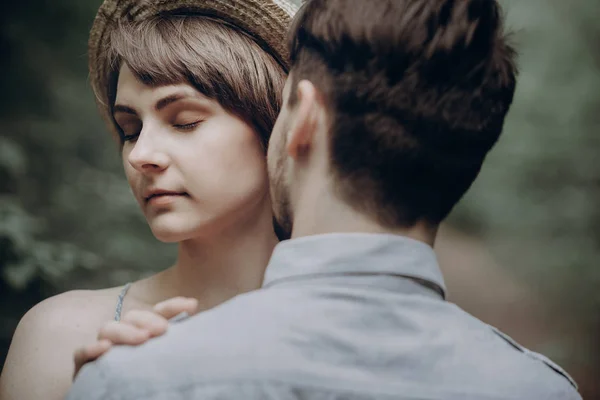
x,y
304,121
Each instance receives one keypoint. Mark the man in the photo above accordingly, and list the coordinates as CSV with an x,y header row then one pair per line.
x,y
391,107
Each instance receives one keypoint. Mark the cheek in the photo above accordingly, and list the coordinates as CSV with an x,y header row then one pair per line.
x,y
130,172
231,163
248,161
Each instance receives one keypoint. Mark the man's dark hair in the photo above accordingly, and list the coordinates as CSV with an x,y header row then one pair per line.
x,y
417,92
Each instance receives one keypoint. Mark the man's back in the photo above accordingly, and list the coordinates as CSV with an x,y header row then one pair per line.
x,y
340,317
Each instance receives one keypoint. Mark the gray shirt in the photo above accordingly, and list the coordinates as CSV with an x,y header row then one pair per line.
x,y
340,316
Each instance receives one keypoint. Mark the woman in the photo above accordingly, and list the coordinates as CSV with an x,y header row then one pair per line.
x,y
191,89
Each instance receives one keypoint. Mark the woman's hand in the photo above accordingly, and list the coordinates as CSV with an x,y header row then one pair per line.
x,y
135,328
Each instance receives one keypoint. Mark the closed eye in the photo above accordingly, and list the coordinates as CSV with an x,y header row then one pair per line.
x,y
188,127
130,138
131,131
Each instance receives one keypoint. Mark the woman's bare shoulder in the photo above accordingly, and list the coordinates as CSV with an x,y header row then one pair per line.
x,y
75,311
46,338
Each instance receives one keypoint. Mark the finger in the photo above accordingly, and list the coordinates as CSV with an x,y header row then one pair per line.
x,y
119,333
90,353
175,306
147,320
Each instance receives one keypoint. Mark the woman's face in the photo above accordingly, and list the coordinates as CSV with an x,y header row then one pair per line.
x,y
194,168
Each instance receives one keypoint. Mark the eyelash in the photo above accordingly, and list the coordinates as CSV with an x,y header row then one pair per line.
x,y
183,127
129,138
188,127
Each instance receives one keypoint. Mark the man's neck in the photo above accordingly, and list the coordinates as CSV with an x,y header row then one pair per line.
x,y
323,213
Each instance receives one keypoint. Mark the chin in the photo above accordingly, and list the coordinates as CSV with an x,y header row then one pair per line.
x,y
170,235
168,229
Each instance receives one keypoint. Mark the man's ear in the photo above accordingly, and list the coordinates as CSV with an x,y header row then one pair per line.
x,y
304,121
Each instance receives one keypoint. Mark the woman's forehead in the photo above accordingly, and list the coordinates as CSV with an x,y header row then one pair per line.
x,y
131,90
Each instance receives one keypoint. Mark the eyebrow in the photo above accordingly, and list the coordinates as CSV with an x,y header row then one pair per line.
x,y
165,101
160,104
123,109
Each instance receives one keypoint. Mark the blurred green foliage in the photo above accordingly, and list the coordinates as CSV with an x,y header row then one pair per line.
x,y
537,200
67,219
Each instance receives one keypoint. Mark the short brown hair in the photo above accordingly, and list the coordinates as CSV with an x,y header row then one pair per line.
x,y
220,61
417,92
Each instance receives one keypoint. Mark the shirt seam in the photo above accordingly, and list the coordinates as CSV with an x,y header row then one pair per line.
x,y
424,282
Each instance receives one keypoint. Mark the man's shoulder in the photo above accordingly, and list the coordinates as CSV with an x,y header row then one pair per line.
x,y
526,366
237,339
496,363
459,351
268,336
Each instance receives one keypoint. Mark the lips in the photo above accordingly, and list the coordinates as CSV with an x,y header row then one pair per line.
x,y
156,194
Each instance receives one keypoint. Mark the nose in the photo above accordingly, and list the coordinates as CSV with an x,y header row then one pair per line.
x,y
148,155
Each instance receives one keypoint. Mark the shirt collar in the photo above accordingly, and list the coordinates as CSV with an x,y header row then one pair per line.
x,y
354,253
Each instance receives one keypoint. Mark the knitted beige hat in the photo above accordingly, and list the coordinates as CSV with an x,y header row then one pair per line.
x,y
266,21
